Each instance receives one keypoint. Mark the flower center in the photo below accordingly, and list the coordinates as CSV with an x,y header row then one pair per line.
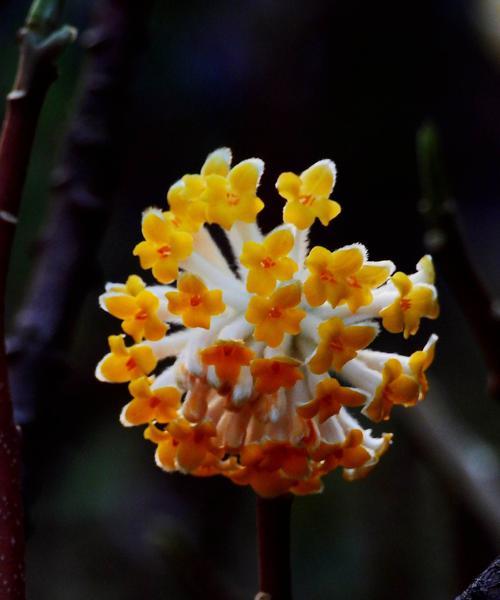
x,y
131,364
154,401
142,315
164,251
405,303
267,263
232,200
275,368
327,276
275,312
336,345
306,200
195,300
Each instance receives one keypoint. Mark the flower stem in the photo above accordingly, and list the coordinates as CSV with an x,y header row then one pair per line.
x,y
273,527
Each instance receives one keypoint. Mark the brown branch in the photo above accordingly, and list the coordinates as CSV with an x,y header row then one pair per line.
x,y
273,527
486,586
83,185
41,42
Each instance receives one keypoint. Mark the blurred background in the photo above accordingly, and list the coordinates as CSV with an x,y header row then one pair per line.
x,y
291,83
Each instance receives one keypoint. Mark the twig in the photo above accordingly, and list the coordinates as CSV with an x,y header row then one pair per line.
x,y
486,586
41,42
83,186
273,527
444,239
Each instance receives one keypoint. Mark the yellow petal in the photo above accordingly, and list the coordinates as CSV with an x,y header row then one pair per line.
x,y
122,307
288,295
217,162
279,243
346,261
155,228
244,177
325,210
299,215
319,179
288,186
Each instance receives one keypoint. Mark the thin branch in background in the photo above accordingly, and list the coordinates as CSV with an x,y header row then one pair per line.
x,y
42,40
273,528
444,239
84,183
486,586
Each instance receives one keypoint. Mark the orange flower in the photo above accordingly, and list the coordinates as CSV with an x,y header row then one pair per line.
x,y
272,373
350,454
330,397
396,388
339,344
194,303
148,405
276,315
420,361
227,357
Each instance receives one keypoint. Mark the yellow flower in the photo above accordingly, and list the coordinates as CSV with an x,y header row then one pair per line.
x,y
227,357
125,364
396,388
270,374
276,315
139,314
195,444
160,404
420,361
414,302
330,397
268,262
132,287
194,302
164,246
343,276
185,199
233,197
339,344
307,195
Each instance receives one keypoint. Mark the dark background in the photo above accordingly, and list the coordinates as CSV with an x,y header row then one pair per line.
x,y
290,83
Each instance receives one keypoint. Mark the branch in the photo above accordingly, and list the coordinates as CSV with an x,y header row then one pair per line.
x,y
84,182
41,42
486,586
445,240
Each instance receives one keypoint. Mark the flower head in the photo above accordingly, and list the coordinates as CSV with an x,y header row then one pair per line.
x,y
266,357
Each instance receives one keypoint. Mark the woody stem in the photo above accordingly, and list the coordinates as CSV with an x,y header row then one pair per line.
x,y
273,528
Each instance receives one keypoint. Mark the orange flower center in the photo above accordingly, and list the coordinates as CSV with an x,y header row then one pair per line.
x,y
195,300
164,251
232,200
267,262
306,200
327,276
275,312
131,364
336,345
154,401
142,315
405,303
275,367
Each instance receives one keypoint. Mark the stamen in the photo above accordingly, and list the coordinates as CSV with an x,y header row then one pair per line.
x,y
154,401
352,281
306,200
164,251
336,345
195,300
327,276
131,364
405,303
142,315
267,262
275,312
232,200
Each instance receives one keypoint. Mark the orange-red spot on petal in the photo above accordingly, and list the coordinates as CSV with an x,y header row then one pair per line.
x,y
275,312
405,303
267,263
164,251
131,364
195,300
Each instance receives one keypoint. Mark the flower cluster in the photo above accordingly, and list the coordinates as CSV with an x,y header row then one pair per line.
x,y
264,353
